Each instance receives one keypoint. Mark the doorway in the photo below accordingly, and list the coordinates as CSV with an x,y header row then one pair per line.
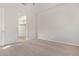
x,y
22,28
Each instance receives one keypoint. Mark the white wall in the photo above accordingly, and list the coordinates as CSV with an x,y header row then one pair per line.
x,y
1,28
60,23
29,11
11,15
12,22
11,26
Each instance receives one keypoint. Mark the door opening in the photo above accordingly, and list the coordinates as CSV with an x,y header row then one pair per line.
x,y
22,31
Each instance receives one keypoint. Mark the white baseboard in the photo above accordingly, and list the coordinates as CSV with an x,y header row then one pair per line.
x,y
67,43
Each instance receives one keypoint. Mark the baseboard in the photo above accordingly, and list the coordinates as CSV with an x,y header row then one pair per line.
x,y
67,43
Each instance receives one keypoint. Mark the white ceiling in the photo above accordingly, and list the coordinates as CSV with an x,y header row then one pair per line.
x,y
43,6
38,7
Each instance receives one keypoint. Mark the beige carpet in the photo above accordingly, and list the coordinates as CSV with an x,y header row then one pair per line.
x,y
39,48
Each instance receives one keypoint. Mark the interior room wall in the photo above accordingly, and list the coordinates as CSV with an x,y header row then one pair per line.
x,y
1,30
59,23
29,11
11,12
11,26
